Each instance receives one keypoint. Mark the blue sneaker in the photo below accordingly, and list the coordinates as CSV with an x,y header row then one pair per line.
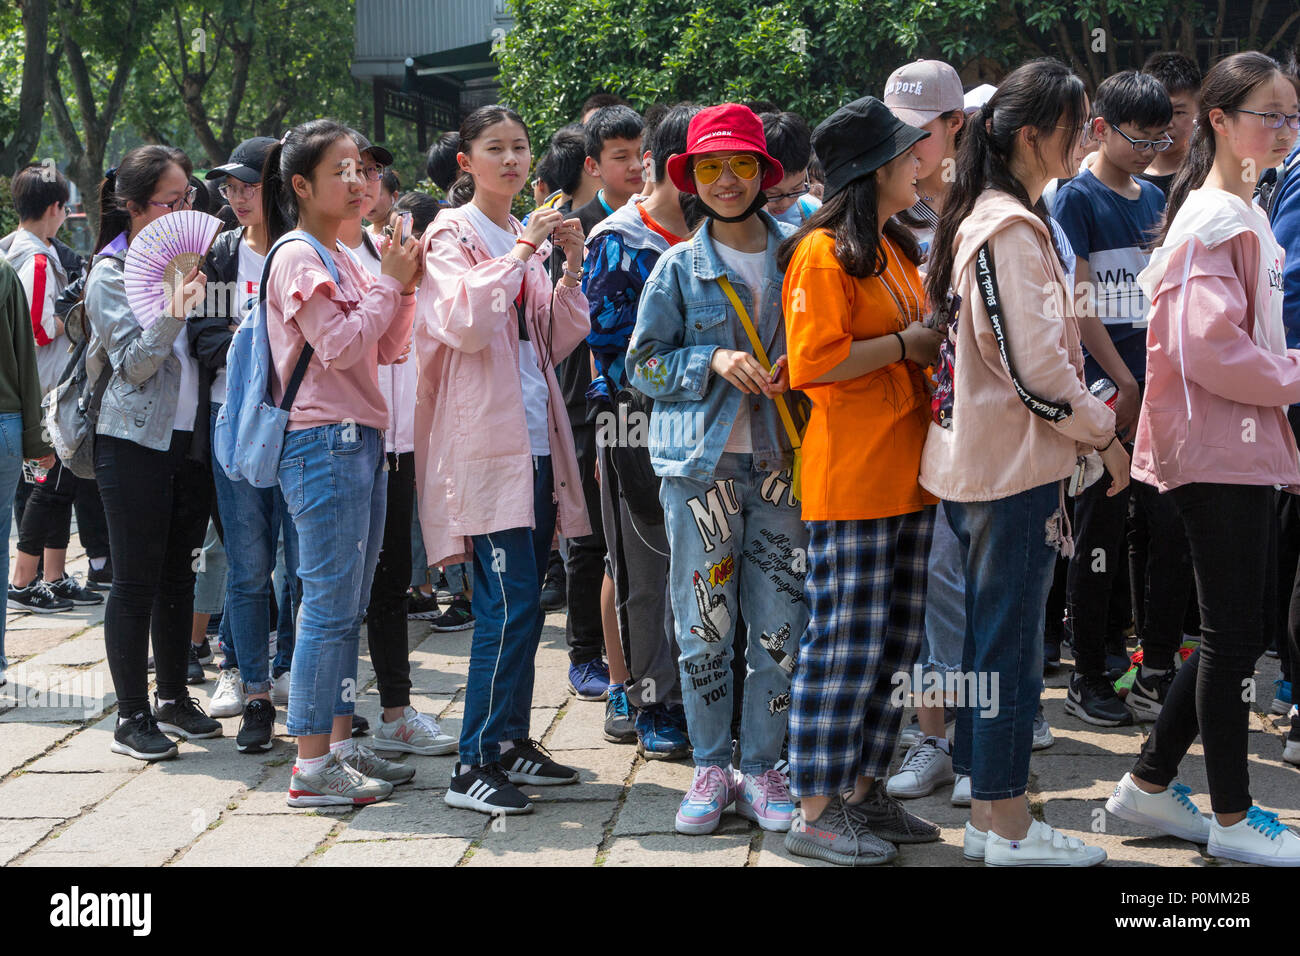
x,y
619,725
1282,697
658,737
590,681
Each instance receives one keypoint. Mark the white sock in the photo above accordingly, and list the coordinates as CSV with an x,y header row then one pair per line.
x,y
943,743
97,563
343,748
163,703
312,764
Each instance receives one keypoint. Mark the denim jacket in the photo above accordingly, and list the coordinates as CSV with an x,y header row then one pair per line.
x,y
682,319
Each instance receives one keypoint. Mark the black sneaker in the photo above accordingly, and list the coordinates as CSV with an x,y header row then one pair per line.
x,y
70,588
1051,650
360,726
101,580
1146,697
486,789
530,762
139,737
421,606
1094,701
554,586
257,727
194,670
203,651
458,617
1272,649
38,598
185,718
887,818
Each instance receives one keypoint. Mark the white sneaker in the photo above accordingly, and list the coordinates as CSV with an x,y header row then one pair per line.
x,y
925,767
1260,838
415,733
1042,846
974,843
1170,811
961,790
1042,731
280,690
1290,752
228,698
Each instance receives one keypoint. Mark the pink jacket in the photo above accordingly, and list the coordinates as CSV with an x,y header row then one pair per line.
x,y
473,465
1225,421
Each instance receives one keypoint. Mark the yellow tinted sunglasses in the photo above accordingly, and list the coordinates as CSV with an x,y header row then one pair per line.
x,y
744,165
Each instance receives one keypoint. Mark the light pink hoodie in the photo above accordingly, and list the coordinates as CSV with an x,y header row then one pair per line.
x,y
473,464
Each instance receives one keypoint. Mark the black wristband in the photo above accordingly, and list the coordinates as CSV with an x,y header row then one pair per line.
x,y
902,345
1109,443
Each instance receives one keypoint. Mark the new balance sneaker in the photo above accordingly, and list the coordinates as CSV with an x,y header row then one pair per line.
x,y
280,690
589,681
889,821
185,718
765,799
620,726
360,726
530,762
973,842
912,735
658,737
486,789
961,790
1281,697
228,698
1259,838
925,768
457,617
365,761
70,588
37,598
421,606
203,651
139,737
335,784
101,580
1148,694
257,728
840,835
1042,846
1042,731
194,673
1169,811
414,733
1094,701
713,791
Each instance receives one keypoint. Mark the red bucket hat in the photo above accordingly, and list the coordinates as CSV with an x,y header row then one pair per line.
x,y
721,129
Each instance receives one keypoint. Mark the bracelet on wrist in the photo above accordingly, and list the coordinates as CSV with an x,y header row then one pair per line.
x,y
531,245
901,345
1109,443
572,275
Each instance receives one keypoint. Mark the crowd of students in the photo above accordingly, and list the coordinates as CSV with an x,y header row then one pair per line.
x,y
809,411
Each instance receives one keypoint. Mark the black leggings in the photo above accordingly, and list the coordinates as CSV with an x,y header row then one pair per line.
x,y
157,505
386,616
1232,533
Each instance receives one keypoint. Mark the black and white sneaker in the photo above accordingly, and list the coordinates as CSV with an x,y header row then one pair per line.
x,y
38,598
257,727
185,718
530,762
101,580
486,789
1094,701
203,651
194,673
1147,696
69,587
139,737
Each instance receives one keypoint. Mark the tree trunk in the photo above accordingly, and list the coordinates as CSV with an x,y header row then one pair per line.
x,y
31,99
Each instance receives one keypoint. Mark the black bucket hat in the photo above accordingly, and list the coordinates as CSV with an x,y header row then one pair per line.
x,y
858,139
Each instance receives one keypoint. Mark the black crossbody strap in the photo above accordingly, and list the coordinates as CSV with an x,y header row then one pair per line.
x,y
295,380
987,277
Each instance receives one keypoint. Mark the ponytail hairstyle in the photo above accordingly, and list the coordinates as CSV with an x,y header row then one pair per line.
x,y
1228,84
852,216
462,190
131,184
1042,94
297,154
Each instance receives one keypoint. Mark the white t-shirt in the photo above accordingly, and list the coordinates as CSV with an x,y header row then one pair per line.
x,y
532,384
247,278
749,268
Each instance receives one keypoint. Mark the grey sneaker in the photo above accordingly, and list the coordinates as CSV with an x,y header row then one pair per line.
x,y
840,835
336,784
889,821
414,733
365,761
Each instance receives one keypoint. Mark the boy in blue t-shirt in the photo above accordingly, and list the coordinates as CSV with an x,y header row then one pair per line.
x,y
1110,217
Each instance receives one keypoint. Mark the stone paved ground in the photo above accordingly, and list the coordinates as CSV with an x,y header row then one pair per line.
x,y
66,800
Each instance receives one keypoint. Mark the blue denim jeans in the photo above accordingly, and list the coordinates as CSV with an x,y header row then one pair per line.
x,y
251,519
11,472
737,548
945,600
1008,564
419,559
332,478
508,570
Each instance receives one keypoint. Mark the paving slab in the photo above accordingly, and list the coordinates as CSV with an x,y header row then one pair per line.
x,y
19,743
393,853
60,796
258,841
676,849
555,834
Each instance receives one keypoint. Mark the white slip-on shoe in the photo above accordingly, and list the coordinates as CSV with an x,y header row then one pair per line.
x,y
1042,846
973,843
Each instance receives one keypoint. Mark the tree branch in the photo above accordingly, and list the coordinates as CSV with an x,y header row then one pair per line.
x,y
31,97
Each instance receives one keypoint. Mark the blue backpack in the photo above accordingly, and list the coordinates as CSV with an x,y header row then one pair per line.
x,y
249,433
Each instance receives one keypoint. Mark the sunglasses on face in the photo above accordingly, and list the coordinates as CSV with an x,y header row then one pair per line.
x,y
744,165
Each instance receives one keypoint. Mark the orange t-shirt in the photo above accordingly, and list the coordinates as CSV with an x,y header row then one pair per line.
x,y
862,449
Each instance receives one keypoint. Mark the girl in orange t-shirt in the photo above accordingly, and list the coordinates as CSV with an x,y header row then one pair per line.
x,y
853,304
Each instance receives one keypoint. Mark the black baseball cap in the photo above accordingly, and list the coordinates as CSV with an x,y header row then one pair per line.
x,y
364,146
858,139
247,160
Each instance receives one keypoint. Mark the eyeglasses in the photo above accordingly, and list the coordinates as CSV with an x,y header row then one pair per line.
x,y
1275,120
797,194
744,165
238,190
187,199
1144,145
374,173
1085,134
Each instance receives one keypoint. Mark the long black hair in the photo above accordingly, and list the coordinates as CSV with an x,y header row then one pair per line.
x,y
298,154
134,181
1041,94
851,215
462,190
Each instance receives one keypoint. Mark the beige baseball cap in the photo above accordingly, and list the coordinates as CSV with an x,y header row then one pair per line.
x,y
920,91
